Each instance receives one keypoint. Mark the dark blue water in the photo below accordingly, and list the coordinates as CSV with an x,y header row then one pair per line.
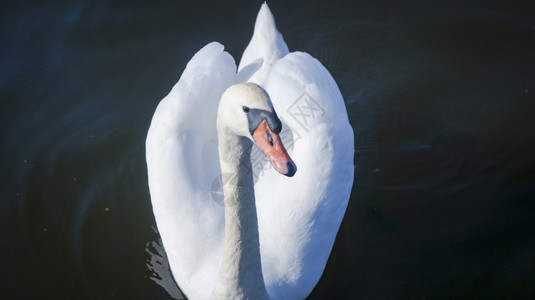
x,y
441,96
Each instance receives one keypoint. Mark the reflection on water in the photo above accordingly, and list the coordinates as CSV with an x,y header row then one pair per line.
x,y
440,96
160,270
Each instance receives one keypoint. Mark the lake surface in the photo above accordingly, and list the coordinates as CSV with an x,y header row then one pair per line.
x,y
441,97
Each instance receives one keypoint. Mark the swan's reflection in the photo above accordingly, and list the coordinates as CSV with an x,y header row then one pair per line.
x,y
158,266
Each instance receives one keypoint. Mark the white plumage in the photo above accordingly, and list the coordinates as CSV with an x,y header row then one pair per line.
x,y
298,217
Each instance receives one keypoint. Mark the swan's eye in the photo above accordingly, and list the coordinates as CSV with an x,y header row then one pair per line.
x,y
245,109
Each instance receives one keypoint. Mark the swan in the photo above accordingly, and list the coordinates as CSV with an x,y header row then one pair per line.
x,y
278,113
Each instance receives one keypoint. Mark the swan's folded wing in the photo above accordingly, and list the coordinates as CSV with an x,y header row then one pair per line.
x,y
299,216
183,162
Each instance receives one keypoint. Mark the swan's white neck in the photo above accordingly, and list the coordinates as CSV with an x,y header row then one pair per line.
x,y
240,273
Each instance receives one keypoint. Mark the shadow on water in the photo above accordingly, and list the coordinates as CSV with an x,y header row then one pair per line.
x,y
440,96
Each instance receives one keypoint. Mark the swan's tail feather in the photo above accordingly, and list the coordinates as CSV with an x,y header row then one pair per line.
x,y
267,43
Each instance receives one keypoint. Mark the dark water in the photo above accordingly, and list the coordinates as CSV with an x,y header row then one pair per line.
x,y
441,96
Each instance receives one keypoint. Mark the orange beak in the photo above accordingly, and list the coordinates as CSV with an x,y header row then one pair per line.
x,y
272,146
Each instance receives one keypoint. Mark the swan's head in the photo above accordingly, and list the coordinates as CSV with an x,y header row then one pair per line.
x,y
246,110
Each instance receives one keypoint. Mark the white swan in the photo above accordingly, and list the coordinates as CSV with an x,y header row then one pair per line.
x,y
272,241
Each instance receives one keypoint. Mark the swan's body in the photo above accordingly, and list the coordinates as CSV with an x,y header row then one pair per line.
x,y
276,240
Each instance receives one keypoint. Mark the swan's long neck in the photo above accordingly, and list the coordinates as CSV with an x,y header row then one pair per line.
x,y
240,273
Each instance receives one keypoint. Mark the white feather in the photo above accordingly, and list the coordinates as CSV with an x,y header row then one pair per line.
x,y
298,217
